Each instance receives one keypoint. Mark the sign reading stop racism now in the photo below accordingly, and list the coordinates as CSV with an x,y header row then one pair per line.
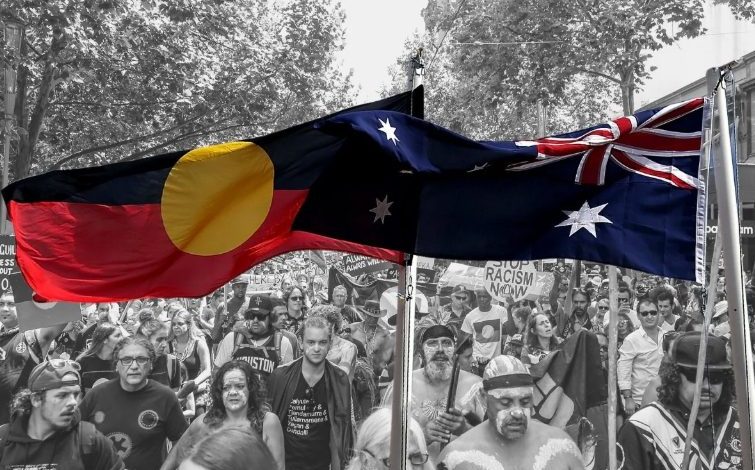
x,y
510,278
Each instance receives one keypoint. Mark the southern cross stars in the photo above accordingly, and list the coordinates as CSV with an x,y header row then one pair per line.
x,y
585,218
388,130
382,209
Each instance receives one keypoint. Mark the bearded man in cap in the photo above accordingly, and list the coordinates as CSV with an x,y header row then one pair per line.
x,y
256,341
46,430
510,438
440,422
653,438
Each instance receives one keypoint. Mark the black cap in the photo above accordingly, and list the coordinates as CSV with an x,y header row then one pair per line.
x,y
259,304
683,351
436,331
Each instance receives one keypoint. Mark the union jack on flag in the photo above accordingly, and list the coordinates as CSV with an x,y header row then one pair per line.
x,y
628,142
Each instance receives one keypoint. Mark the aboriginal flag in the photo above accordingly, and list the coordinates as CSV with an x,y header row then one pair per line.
x,y
180,224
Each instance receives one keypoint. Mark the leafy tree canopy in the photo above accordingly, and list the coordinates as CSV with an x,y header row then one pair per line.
x,y
111,80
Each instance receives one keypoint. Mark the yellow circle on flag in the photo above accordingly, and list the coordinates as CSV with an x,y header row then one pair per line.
x,y
216,197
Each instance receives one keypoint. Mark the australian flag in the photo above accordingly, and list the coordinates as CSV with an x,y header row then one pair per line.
x,y
626,193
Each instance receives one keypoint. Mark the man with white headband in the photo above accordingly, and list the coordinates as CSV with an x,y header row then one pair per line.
x,y
510,438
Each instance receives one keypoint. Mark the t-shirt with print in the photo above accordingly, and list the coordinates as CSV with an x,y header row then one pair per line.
x,y
485,328
93,369
17,358
307,428
136,422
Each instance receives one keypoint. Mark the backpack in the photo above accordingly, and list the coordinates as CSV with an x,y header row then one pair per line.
x,y
238,338
86,436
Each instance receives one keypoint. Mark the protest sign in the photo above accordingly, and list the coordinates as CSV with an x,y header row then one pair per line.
x,y
458,274
357,265
7,260
510,278
33,314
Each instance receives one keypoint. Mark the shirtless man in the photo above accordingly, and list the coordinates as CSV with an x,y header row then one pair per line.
x,y
510,438
430,391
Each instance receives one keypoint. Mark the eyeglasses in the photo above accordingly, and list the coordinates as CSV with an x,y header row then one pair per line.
x,y
714,377
63,363
602,308
127,361
460,297
295,297
649,312
416,459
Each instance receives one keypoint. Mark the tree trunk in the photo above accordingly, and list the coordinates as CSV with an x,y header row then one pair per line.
x,y
28,142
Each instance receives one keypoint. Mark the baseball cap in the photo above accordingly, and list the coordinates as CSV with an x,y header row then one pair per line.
x,y
240,280
50,374
683,351
259,304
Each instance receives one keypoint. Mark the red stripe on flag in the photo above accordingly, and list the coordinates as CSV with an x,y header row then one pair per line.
x,y
624,160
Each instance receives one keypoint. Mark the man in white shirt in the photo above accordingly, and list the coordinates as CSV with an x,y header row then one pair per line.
x,y
640,356
484,325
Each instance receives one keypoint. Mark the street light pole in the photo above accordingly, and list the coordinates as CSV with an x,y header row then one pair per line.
x,y
14,32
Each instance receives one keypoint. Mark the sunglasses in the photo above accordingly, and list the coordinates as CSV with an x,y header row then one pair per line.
x,y
257,316
63,363
649,312
602,308
457,297
714,377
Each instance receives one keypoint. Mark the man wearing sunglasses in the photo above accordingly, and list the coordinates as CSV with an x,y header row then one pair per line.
x,y
654,437
640,356
256,341
46,430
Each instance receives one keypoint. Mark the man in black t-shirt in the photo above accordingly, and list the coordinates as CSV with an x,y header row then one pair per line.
x,y
312,398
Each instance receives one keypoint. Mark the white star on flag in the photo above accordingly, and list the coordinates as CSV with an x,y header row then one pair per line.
x,y
382,209
585,218
390,132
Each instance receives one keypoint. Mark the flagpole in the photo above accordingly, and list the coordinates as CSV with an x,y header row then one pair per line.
x,y
403,358
713,279
728,227
613,342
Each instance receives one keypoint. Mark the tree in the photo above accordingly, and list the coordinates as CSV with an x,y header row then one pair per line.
x,y
112,80
490,61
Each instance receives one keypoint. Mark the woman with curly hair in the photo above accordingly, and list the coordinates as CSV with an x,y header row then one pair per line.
x,y
97,361
233,401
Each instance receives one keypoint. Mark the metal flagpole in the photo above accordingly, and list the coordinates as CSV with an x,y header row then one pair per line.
x,y
703,349
403,357
728,227
613,322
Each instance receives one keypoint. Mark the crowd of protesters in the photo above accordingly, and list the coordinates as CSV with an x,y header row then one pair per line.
x,y
296,377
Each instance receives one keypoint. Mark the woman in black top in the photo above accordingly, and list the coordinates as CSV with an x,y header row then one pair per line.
x,y
97,361
187,343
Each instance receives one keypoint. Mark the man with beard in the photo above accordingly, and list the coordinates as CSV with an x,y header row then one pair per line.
x,y
510,438
440,423
46,431
579,317
256,341
654,437
312,398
